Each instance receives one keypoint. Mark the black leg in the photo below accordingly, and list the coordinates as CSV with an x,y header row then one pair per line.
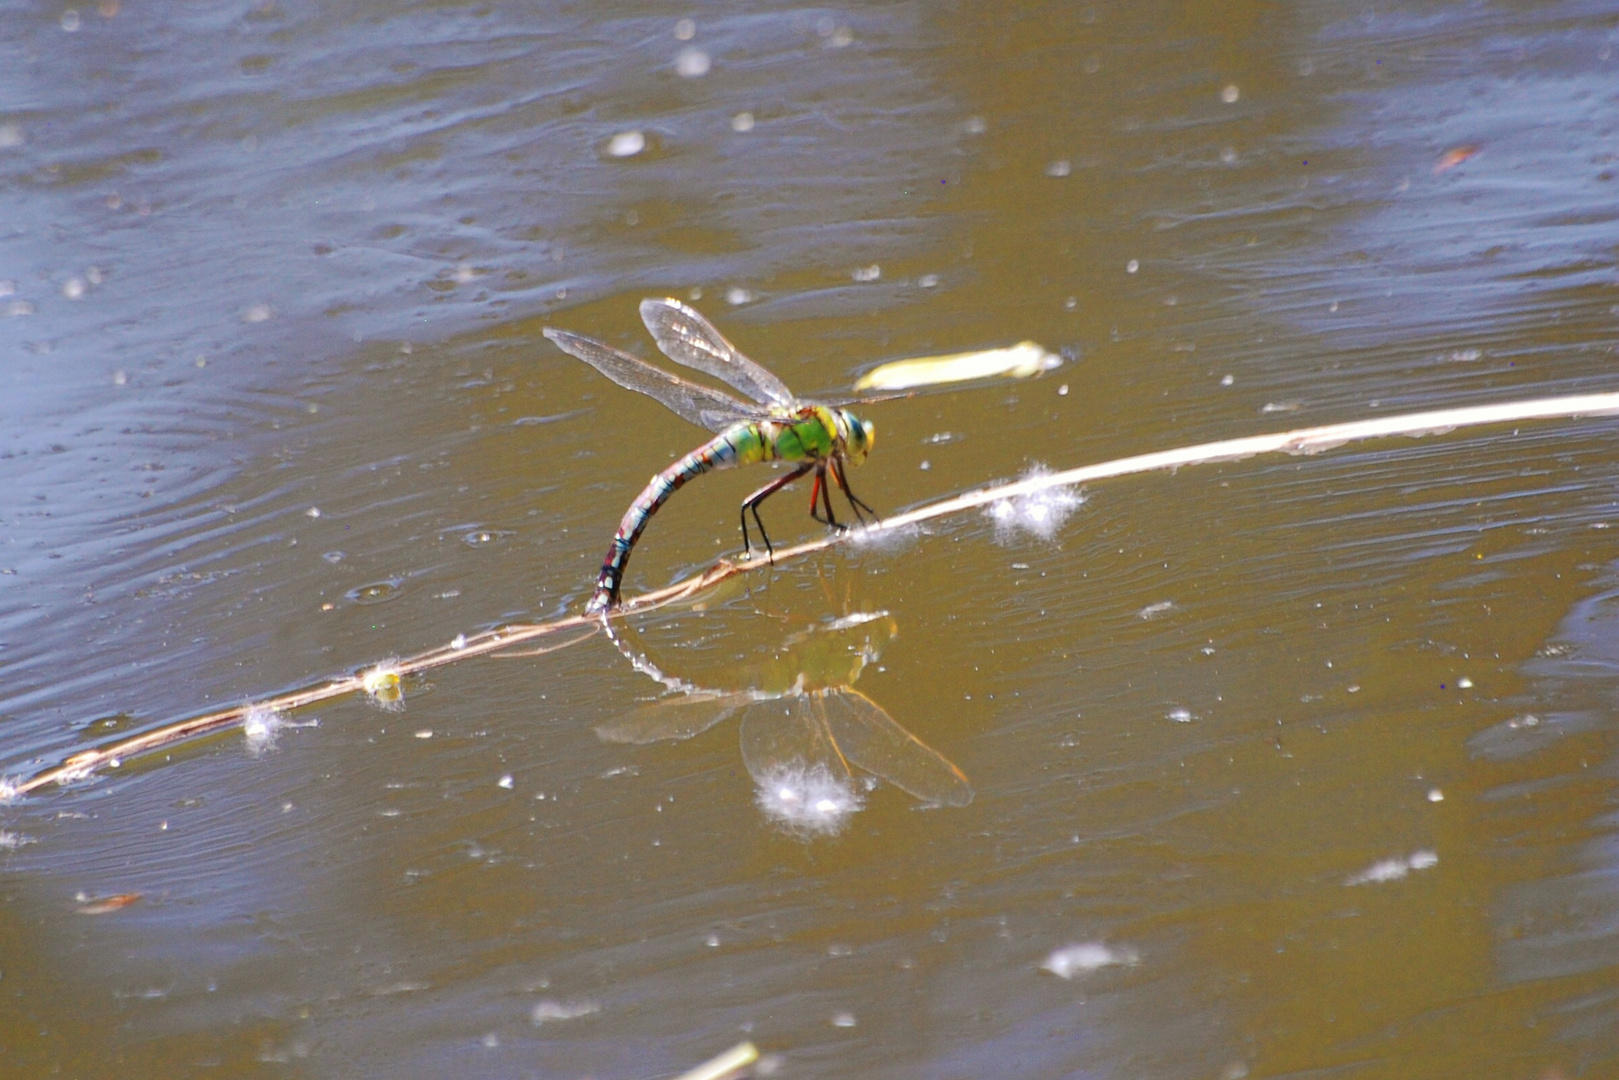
x,y
750,505
854,500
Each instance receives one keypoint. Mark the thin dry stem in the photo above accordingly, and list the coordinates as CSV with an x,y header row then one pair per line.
x,y
503,639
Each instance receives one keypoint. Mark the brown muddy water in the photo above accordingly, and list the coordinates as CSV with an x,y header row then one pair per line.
x,y
1299,767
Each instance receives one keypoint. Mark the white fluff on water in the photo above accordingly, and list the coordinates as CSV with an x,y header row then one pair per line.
x,y
1071,961
261,725
1040,512
808,800
1394,869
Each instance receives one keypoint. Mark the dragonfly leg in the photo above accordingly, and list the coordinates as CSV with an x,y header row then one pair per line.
x,y
854,500
750,505
823,492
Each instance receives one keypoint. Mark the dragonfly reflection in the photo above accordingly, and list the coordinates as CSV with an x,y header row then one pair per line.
x,y
805,730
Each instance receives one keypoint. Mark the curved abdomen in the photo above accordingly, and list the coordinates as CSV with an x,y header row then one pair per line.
x,y
740,445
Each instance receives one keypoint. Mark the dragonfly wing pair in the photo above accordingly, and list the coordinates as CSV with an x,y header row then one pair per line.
x,y
689,339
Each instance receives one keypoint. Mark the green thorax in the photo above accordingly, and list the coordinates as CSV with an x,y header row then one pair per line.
x,y
808,434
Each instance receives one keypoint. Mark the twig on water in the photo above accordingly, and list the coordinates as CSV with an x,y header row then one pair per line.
x,y
502,640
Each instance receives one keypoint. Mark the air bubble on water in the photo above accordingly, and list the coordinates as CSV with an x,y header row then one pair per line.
x,y
685,30
807,800
1230,94
843,1020
626,144
74,288
1039,512
867,273
1059,168
742,122
257,313
736,295
1394,869
1180,716
1152,611
1082,958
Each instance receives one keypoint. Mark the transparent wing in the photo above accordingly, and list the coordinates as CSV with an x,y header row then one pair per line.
x,y
866,736
695,404
672,718
688,338
784,735
834,729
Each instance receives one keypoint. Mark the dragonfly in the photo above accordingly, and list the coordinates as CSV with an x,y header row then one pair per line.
x,y
773,425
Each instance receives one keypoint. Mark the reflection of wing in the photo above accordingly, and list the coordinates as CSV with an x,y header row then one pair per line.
x,y
696,404
672,718
873,740
784,735
842,727
688,338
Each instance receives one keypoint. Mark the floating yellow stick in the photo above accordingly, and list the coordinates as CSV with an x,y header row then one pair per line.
x,y
1015,361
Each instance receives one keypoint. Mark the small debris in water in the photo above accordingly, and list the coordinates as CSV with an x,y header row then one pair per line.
x,y
10,841
102,905
1152,611
1394,869
548,1011
737,296
1230,94
1071,961
742,122
506,782
867,273
843,1020
1435,795
1059,168
1454,157
1180,716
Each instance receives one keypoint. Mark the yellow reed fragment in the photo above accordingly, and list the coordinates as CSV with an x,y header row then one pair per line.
x,y
1015,361
737,1057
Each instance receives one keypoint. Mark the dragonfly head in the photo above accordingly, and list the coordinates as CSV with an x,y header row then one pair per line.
x,y
858,436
